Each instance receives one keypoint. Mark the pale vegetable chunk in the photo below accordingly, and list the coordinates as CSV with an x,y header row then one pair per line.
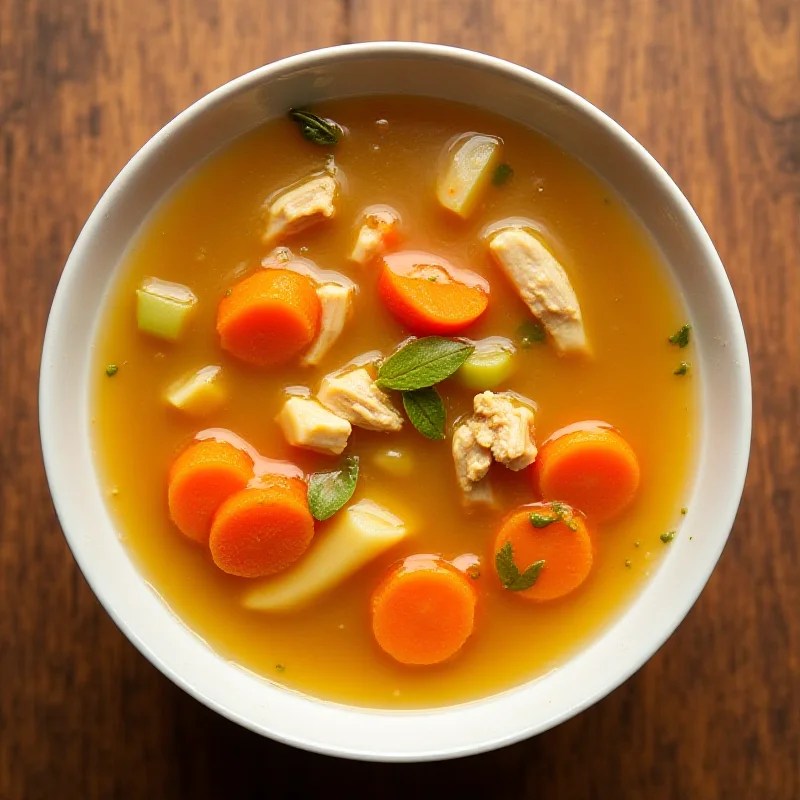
x,y
354,396
305,423
490,364
376,234
163,308
300,207
468,169
335,301
356,536
199,394
543,285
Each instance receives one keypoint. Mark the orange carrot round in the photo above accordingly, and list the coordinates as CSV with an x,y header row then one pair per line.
x,y
594,470
260,531
429,295
563,544
202,477
295,486
270,317
423,611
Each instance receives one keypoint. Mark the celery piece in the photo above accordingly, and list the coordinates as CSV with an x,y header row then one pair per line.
x,y
198,394
466,172
162,308
490,364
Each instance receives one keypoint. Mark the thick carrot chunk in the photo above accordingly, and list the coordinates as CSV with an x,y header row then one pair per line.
x,y
261,531
202,477
429,295
423,611
270,317
594,470
545,532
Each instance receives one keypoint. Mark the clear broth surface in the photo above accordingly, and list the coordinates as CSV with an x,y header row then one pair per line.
x,y
207,235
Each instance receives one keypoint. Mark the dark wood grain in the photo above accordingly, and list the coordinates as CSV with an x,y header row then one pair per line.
x,y
712,89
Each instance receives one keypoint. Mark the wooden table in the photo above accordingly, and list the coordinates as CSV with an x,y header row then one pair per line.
x,y
711,88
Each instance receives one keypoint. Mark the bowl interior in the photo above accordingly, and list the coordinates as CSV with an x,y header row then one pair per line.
x,y
721,364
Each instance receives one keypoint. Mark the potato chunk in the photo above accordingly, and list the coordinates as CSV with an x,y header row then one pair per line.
x,y
200,393
301,206
375,236
335,301
542,284
467,171
305,423
357,535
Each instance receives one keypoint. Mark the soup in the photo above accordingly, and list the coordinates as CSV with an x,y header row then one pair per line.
x,y
392,403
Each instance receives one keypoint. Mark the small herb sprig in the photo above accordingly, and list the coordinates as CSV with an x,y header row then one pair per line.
x,y
319,131
502,174
681,336
558,513
510,576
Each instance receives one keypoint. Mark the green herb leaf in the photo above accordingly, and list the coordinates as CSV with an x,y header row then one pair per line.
x,y
329,491
667,537
473,571
112,370
564,513
423,362
681,336
683,368
531,333
510,575
280,668
684,510
502,174
542,520
426,411
628,563
323,132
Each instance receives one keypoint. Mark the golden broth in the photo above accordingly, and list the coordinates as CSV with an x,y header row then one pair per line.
x,y
207,235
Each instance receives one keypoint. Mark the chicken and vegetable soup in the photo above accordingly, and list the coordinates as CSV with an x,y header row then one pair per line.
x,y
393,403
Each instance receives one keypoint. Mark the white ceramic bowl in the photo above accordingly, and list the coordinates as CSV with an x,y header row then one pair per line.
x,y
721,368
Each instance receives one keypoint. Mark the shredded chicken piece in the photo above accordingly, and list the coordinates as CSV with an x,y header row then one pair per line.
x,y
499,430
542,284
374,236
305,423
335,300
300,207
354,396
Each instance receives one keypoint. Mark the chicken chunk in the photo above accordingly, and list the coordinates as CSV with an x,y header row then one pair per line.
x,y
505,428
305,423
472,459
501,429
300,207
542,284
380,226
335,300
354,396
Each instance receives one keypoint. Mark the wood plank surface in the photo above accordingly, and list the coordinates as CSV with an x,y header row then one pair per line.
x,y
711,88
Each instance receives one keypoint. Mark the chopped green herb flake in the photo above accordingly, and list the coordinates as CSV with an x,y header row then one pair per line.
x,y
280,668
228,292
319,131
684,510
637,543
683,368
473,571
564,513
628,563
681,336
112,370
543,520
502,174
433,278
530,333
667,537
509,574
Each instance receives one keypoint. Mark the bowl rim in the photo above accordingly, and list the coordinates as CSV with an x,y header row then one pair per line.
x,y
434,52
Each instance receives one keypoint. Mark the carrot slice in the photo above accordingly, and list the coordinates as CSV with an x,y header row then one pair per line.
x,y
564,545
429,295
269,317
202,477
594,470
294,486
423,611
258,532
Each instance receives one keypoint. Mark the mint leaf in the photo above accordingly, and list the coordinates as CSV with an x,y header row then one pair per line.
x,y
423,362
510,575
531,333
426,412
329,491
323,132
681,336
